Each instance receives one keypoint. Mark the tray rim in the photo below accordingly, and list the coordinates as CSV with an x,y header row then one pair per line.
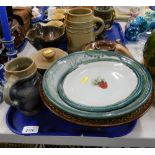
x,y
61,133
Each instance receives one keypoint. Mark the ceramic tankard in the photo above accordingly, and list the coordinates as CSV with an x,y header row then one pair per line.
x,y
22,87
107,13
80,24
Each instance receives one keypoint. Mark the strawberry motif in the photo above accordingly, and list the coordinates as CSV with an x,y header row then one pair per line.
x,y
100,82
103,85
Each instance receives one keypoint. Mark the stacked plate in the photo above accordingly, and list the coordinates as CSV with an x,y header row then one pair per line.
x,y
97,88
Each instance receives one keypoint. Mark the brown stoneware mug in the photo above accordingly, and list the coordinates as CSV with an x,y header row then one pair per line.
x,y
80,24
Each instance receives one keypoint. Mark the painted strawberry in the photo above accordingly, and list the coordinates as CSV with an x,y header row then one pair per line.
x,y
101,83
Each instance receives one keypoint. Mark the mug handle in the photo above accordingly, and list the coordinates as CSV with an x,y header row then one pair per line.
x,y
101,28
8,86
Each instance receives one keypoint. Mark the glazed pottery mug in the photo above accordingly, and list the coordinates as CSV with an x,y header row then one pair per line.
x,y
22,87
107,13
80,24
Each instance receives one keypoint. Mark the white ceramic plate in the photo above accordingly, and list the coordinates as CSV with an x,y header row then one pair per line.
x,y
100,83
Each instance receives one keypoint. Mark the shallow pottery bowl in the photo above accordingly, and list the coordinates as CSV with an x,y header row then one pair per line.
x,y
72,63
45,36
106,45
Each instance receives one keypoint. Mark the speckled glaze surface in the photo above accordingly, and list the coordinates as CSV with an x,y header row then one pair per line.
x,y
54,74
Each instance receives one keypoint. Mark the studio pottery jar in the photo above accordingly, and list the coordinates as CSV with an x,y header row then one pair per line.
x,y
22,87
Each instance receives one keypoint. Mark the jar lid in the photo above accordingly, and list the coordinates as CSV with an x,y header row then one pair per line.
x,y
42,61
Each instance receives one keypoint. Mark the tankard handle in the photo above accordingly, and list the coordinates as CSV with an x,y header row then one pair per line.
x,y
7,88
101,28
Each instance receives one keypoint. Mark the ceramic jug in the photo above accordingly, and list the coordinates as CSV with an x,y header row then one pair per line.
x,y
80,24
22,87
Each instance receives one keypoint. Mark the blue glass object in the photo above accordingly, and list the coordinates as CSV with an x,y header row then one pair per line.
x,y
11,51
134,27
114,34
5,24
150,18
131,33
8,40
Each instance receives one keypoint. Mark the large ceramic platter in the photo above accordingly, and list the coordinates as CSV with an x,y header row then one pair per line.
x,y
57,71
103,122
101,85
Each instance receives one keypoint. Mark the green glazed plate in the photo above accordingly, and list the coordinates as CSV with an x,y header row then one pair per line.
x,y
57,71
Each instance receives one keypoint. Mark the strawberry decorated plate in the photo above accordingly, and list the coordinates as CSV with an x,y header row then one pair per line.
x,y
97,84
101,85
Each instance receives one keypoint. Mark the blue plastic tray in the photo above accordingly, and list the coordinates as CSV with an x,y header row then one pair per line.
x,y
115,33
50,124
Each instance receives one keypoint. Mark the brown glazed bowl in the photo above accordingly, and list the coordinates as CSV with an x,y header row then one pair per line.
x,y
107,46
45,36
